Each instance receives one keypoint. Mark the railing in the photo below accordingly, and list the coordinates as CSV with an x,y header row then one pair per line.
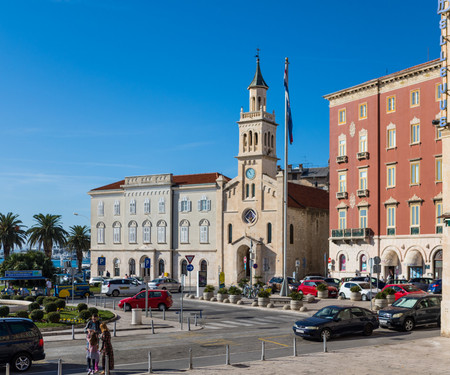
x,y
362,155
351,234
342,159
257,114
341,195
363,193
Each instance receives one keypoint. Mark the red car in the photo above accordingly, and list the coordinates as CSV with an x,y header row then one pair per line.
x,y
157,299
310,287
402,290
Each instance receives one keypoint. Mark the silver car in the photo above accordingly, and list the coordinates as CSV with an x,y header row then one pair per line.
x,y
165,283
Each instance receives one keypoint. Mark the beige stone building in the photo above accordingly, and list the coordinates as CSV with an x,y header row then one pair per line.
x,y
217,219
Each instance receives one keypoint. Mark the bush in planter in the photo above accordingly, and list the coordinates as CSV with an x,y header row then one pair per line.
x,y
209,288
40,300
243,282
234,291
355,289
222,291
296,296
258,281
389,291
29,299
322,287
4,311
85,315
22,314
60,304
50,307
33,306
92,310
264,293
49,300
36,315
19,298
5,296
380,295
82,306
53,317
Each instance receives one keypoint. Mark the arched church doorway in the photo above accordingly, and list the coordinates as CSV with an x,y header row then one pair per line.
x,y
243,263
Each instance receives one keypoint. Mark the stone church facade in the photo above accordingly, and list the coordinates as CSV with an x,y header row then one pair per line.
x,y
223,222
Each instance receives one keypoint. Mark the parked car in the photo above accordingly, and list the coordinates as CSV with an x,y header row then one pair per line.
x,y
344,279
312,277
399,281
410,311
435,287
402,290
157,299
96,280
366,292
165,283
333,321
116,287
310,287
381,284
421,282
332,281
21,343
275,283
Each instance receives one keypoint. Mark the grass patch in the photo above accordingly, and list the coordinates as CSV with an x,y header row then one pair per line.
x,y
95,289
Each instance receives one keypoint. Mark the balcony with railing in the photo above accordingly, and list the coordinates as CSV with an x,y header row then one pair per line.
x,y
362,155
351,234
362,193
341,195
341,159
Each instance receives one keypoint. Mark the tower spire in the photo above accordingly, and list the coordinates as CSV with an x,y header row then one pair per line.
x,y
258,80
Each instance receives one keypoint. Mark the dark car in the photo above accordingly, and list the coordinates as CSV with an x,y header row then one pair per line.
x,y
332,281
21,343
421,282
381,284
410,311
435,287
275,283
335,321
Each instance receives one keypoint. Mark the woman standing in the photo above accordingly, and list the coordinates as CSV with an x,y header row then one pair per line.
x,y
107,349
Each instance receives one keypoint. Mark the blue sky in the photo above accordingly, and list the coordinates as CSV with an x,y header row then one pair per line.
x,y
92,91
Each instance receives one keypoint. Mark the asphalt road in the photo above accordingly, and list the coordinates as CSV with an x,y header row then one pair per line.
x,y
243,330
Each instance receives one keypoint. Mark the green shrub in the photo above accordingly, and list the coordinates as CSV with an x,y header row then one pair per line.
x,y
223,291
22,314
5,296
322,287
53,317
50,307
29,299
93,310
380,295
84,314
264,293
48,300
82,306
355,289
19,298
40,300
60,304
389,291
234,291
4,311
243,282
296,296
209,288
36,315
33,306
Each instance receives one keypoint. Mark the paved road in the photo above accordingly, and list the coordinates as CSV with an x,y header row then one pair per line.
x,y
242,329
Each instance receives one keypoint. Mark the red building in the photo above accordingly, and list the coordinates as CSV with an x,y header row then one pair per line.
x,y
386,175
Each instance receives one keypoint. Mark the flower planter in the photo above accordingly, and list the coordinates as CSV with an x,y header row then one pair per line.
x,y
234,299
322,294
208,295
263,302
381,302
296,304
355,296
221,297
390,298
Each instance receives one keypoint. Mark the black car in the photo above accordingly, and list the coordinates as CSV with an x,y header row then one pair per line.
x,y
335,321
20,343
381,284
410,311
421,282
333,282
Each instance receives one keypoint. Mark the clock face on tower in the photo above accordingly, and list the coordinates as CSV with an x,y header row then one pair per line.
x,y
250,173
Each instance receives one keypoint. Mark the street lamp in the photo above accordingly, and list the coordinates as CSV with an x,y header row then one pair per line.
x,y
77,214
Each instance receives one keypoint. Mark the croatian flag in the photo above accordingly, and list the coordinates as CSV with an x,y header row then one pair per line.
x,y
288,103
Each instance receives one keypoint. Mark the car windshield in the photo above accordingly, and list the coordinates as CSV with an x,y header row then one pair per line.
x,y
157,280
327,313
364,285
405,302
411,288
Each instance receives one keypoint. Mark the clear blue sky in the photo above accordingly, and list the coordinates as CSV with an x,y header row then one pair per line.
x,y
92,91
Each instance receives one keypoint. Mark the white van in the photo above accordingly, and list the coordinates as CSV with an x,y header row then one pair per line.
x,y
122,287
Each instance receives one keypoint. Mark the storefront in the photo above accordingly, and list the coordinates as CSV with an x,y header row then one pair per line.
x,y
414,263
437,265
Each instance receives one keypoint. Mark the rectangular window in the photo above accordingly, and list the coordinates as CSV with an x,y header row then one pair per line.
x,y
184,234
415,133
362,111
390,104
342,147
415,214
100,235
146,234
390,176
161,234
342,116
161,206
342,218
147,206
100,209
439,220
132,234
391,216
415,98
438,92
204,204
363,217
133,207
439,169
415,173
363,179
342,182
392,142
116,208
363,143
204,234
438,132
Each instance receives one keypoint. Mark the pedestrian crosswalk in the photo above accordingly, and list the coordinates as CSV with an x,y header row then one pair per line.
x,y
248,322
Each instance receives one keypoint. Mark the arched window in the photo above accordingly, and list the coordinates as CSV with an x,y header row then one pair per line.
x,y
204,268
244,143
116,232
147,206
100,232
161,228
253,103
146,231
131,267
204,231
259,103
256,139
342,262
184,231
116,263
132,230
269,232
265,139
291,234
230,233
184,267
253,190
271,141
132,207
363,263
100,209
247,190
250,138
161,267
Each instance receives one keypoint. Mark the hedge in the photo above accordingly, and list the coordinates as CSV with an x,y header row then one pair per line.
x,y
4,311
50,307
22,314
82,306
33,306
53,317
36,315
85,315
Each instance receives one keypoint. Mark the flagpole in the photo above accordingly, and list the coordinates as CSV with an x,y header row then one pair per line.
x,y
284,286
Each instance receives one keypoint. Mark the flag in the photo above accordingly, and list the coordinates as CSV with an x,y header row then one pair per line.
x,y
288,103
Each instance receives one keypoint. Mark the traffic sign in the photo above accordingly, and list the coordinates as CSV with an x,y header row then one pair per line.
x,y
189,258
329,260
101,261
147,263
376,268
255,266
377,260
190,267
245,260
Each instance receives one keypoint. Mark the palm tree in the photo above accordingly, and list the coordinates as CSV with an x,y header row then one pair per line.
x,y
11,233
46,232
79,240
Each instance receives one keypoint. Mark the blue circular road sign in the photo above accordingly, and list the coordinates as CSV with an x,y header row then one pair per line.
x,y
190,267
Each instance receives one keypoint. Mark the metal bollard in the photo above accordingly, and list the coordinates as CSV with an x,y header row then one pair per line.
x,y
189,323
150,367
104,302
153,328
7,369
67,300
295,346
87,300
73,332
190,359
263,351
60,366
325,343
227,358
114,330
95,300
200,314
106,365
195,320
124,307
164,314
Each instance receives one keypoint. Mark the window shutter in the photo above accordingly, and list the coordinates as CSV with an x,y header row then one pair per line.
x,y
189,206
180,206
200,205
208,205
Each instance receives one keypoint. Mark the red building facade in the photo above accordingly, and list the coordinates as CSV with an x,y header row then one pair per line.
x,y
386,175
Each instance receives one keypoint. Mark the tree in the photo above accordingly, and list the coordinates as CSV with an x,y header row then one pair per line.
x,y
79,240
11,232
31,260
46,232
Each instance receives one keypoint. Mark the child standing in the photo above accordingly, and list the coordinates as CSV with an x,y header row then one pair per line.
x,y
92,355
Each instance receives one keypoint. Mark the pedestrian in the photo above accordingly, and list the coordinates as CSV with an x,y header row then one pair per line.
x,y
126,276
93,325
48,286
108,274
92,355
382,278
107,349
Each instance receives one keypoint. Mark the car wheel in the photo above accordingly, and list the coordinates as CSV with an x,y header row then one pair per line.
x,y
162,307
342,295
115,293
127,307
364,297
21,362
325,333
408,325
163,288
368,330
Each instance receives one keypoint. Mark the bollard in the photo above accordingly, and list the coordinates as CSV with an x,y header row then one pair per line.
x,y
60,366
114,331
195,320
164,314
73,332
124,307
104,302
200,314
227,358
263,351
179,318
87,300
106,365
190,359
114,304
189,323
295,346
325,343
95,301
7,369
153,328
150,367
67,300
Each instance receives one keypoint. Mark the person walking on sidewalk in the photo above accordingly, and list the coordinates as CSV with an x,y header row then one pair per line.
x,y
92,355
107,349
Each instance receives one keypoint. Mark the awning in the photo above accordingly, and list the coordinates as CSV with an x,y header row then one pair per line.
x,y
414,259
389,259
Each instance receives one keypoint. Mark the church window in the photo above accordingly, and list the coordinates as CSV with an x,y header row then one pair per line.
x,y
230,233
253,103
245,143
249,216
247,190
265,139
253,190
271,141
269,232
259,103
250,136
291,234
256,139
